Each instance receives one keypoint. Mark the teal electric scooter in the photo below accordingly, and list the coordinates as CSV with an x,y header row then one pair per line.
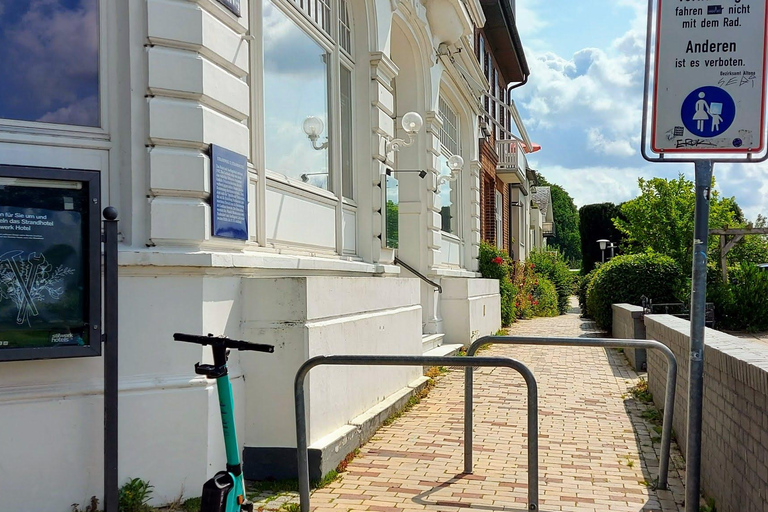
x,y
225,492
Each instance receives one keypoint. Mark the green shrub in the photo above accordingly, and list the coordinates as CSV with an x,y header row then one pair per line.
x,y
134,496
544,297
523,279
507,291
495,264
627,278
742,303
584,282
551,265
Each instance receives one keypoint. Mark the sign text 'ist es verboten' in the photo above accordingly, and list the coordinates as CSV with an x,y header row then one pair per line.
x,y
709,93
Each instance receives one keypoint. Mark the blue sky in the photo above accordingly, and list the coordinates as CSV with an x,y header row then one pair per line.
x,y
583,103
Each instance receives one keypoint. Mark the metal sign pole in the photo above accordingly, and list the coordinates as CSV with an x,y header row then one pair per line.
x,y
698,305
110,361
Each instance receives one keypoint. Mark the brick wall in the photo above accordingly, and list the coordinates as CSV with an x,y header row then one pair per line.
x,y
735,410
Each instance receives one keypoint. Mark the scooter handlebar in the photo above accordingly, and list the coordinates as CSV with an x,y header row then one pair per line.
x,y
223,341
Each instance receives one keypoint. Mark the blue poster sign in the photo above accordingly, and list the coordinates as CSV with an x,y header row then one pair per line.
x,y
229,193
232,5
708,111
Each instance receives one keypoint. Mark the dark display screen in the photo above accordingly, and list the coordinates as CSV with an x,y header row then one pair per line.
x,y
45,289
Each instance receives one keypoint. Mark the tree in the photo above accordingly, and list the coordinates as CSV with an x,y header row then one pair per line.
x,y
595,223
566,217
661,218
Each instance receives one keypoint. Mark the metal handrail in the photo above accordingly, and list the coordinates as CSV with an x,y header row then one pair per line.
x,y
418,274
375,360
669,403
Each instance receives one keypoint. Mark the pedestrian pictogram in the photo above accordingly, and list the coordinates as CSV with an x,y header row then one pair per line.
x,y
708,111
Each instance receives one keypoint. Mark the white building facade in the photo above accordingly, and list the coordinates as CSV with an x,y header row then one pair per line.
x,y
138,91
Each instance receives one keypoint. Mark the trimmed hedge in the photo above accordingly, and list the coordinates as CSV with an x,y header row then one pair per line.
x,y
627,278
595,223
552,265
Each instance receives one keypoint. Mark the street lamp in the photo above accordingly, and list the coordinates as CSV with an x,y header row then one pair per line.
x,y
603,243
612,247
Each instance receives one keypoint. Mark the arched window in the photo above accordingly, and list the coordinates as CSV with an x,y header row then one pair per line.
x,y
307,73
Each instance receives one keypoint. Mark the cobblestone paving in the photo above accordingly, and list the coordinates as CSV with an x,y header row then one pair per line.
x,y
596,452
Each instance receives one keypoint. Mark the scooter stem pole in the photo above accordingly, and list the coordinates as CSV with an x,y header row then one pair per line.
x,y
227,407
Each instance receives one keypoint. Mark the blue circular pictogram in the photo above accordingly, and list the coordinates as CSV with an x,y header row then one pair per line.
x,y
708,111
737,142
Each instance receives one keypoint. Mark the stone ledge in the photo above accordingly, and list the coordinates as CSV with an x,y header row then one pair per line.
x,y
326,453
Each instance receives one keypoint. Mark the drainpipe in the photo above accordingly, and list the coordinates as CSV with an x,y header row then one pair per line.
x,y
519,84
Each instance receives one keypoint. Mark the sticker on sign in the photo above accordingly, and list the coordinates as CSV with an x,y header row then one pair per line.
x,y
709,91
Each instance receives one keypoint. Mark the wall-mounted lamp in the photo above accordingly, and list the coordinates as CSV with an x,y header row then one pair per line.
x,y
412,123
516,203
455,164
313,126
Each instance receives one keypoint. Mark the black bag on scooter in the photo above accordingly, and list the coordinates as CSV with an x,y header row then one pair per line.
x,y
215,492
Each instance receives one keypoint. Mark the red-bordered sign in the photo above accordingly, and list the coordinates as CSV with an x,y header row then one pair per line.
x,y
709,87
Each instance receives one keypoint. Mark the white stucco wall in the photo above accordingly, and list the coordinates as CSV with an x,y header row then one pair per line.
x,y
305,317
471,308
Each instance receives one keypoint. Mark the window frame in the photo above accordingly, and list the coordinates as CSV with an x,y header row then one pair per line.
x,y
455,186
498,212
338,57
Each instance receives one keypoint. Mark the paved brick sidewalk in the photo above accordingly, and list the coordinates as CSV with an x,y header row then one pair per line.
x,y
596,452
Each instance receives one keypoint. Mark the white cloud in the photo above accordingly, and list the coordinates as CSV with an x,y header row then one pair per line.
x,y
586,111
748,183
600,144
593,92
529,22
589,185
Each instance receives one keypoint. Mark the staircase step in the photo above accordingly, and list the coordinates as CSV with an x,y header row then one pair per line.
x,y
430,341
444,350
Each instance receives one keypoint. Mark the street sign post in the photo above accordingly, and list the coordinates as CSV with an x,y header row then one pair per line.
x,y
708,105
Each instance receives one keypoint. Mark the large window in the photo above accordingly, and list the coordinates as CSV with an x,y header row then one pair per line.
x,y
49,56
449,146
308,73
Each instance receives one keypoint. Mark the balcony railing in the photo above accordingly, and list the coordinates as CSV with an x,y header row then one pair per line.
x,y
548,228
511,156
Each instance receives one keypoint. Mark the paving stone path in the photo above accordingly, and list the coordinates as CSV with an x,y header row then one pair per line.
x,y
596,452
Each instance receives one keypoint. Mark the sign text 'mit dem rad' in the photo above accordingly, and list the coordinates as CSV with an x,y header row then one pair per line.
x,y
709,77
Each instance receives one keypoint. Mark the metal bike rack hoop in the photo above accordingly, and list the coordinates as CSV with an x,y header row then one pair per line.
x,y
374,360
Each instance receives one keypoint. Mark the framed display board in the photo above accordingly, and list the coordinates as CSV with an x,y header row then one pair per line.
x,y
50,263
